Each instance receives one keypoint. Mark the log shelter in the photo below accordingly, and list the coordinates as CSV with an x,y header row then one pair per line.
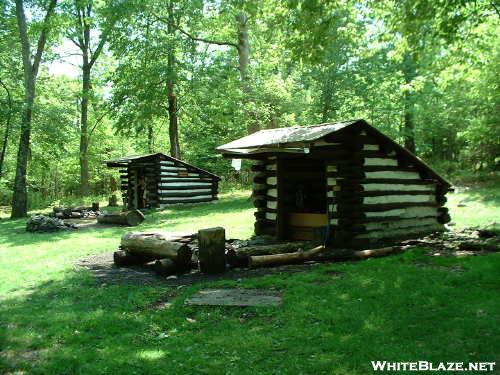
x,y
346,184
157,180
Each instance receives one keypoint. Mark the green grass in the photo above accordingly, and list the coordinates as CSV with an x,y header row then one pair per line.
x,y
475,206
335,318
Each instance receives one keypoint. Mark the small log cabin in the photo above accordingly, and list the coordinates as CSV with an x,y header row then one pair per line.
x,y
156,180
346,184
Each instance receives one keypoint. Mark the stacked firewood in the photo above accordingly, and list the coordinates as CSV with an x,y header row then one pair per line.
x,y
77,212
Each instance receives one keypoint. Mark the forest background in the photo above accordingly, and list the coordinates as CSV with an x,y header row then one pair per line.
x,y
83,81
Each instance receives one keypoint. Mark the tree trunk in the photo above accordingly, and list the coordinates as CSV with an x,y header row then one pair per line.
x,y
20,196
30,70
130,218
287,258
7,128
84,137
278,248
173,128
243,48
150,136
409,70
156,245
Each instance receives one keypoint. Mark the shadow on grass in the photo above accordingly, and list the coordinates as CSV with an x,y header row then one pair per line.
x,y
13,232
486,195
377,310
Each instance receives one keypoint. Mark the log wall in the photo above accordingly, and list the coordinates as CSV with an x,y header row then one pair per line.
x,y
265,196
167,182
374,194
382,197
181,183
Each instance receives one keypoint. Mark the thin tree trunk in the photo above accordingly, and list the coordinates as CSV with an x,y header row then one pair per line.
x,y
150,136
243,48
173,128
7,128
84,136
327,101
83,15
409,70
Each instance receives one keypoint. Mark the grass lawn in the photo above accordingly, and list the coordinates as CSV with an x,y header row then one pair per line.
x,y
334,319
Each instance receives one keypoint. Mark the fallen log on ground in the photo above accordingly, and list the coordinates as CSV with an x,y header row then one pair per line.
x,y
157,246
277,248
130,218
123,258
285,258
317,253
166,267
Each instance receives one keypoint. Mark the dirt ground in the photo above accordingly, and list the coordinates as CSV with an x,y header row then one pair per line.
x,y
465,242
105,272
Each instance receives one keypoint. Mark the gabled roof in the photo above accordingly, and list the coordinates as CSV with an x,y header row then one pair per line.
x,y
126,160
279,136
289,139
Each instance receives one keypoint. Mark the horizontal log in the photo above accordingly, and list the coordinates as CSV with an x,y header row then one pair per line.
x,y
186,192
380,161
407,198
184,179
278,248
130,218
158,245
392,174
402,233
399,224
167,199
398,187
122,258
185,185
164,204
282,259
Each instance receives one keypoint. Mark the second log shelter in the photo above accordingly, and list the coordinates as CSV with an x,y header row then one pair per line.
x,y
157,180
346,184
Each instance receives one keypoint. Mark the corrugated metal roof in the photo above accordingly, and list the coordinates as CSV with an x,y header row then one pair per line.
x,y
274,137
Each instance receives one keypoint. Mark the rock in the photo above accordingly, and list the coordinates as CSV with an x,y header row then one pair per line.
x,y
42,223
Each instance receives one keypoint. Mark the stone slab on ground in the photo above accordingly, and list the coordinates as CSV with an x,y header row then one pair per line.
x,y
235,297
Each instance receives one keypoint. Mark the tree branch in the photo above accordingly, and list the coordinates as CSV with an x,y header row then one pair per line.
x,y
75,42
43,37
104,37
495,7
195,38
98,120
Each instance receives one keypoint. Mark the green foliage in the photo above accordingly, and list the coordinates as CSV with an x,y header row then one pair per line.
x,y
310,62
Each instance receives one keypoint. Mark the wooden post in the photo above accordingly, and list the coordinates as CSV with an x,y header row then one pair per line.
x,y
113,201
211,255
